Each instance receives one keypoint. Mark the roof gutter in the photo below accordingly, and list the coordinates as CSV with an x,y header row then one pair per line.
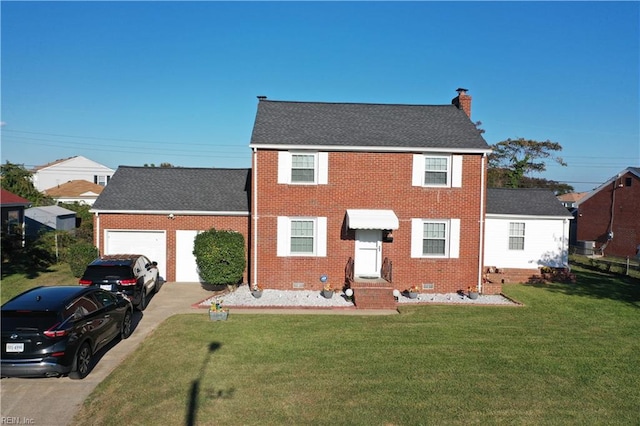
x,y
371,148
174,212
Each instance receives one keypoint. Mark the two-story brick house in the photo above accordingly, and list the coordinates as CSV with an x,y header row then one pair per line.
x,y
375,189
608,215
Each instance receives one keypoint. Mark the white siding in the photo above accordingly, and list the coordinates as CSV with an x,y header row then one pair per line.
x,y
76,168
546,243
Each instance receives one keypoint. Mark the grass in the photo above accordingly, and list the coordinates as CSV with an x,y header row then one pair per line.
x,y
15,282
569,356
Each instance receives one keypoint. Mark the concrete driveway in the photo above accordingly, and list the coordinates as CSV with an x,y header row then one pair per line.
x,y
54,401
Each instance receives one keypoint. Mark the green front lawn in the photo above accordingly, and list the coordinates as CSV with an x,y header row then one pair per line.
x,y
15,282
571,355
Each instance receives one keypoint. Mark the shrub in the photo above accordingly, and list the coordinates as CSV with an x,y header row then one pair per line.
x,y
79,256
220,256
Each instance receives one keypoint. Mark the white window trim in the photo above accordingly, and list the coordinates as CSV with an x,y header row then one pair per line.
x,y
454,170
452,239
321,167
523,236
284,237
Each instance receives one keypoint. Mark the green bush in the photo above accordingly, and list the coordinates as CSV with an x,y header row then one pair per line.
x,y
220,256
79,256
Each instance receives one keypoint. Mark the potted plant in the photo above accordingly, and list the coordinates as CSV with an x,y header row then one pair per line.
x,y
217,312
472,292
256,291
413,292
327,291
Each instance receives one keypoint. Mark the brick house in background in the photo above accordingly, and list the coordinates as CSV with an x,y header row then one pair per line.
x,y
159,211
385,191
608,215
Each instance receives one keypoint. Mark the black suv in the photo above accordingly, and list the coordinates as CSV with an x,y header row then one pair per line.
x,y
57,330
132,274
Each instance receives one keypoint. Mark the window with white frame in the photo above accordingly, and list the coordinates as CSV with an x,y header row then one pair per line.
x,y
437,170
101,180
302,236
435,238
303,167
516,236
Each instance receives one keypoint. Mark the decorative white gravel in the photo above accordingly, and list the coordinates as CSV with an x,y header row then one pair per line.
x,y
313,299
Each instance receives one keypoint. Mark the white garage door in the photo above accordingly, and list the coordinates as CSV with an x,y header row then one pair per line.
x,y
152,244
186,268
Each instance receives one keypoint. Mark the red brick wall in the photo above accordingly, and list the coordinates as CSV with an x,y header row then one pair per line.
x,y
366,181
595,217
180,222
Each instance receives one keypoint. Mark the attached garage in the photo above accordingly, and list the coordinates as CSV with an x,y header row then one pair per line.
x,y
158,212
152,244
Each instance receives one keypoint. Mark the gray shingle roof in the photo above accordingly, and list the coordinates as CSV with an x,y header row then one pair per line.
x,y
177,189
525,201
368,125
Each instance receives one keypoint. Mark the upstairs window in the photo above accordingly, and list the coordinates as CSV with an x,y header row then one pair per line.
x,y
438,171
516,236
303,168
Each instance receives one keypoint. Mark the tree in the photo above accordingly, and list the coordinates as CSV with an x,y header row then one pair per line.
x,y
18,180
513,159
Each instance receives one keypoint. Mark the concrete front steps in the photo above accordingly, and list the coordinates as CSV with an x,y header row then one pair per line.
x,y
373,294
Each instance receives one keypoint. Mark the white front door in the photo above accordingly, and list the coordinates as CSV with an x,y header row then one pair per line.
x,y
368,257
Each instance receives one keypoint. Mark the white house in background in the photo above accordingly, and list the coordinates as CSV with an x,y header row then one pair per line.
x,y
74,168
525,229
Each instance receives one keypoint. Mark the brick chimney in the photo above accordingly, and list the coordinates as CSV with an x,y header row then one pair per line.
x,y
463,101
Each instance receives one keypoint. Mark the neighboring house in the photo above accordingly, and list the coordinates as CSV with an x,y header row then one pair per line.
x,y
387,191
49,218
571,199
75,191
158,212
525,229
68,169
12,207
608,216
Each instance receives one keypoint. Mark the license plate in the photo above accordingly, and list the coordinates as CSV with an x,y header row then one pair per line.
x,y
15,347
106,287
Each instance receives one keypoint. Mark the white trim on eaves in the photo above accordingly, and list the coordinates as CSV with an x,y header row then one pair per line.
x,y
449,150
175,212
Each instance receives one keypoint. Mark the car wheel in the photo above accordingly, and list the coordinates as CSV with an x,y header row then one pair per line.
x,y
82,362
143,299
125,330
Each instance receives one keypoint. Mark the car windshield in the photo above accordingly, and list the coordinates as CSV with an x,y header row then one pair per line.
x,y
99,272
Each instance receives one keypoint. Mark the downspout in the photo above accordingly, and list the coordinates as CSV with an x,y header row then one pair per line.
x,y
254,234
97,232
482,205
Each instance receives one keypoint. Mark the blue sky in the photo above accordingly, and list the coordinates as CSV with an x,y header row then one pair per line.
x,y
129,83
